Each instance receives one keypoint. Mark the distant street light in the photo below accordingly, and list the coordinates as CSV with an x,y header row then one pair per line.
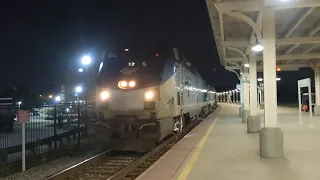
x,y
86,60
19,103
50,96
58,98
78,89
80,70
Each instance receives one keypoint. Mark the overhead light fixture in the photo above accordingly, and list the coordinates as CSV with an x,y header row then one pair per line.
x,y
260,79
86,60
78,89
246,65
278,79
257,48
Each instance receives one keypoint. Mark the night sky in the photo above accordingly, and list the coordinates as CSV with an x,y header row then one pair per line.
x,y
41,41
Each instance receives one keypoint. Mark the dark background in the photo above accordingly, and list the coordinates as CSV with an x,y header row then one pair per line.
x,y
42,41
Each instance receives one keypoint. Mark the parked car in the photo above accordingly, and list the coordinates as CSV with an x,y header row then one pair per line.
x,y
34,113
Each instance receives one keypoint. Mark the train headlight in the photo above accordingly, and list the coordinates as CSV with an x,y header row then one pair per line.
x,y
148,95
104,95
132,83
123,84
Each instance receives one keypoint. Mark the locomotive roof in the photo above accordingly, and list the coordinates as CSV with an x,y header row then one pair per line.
x,y
157,54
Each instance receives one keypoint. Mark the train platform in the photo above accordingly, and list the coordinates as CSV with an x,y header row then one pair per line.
x,y
220,148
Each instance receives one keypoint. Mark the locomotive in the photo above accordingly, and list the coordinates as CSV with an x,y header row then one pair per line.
x,y
151,95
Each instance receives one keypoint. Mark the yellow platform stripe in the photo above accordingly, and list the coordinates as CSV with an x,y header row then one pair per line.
x,y
186,171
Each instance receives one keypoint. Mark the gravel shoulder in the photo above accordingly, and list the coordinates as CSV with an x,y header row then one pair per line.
x,y
43,171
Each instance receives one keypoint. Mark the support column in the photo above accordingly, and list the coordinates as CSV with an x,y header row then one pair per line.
x,y
237,98
233,97
241,96
271,136
259,95
262,96
246,101
253,124
317,90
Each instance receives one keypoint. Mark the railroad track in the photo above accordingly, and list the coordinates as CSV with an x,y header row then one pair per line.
x,y
120,165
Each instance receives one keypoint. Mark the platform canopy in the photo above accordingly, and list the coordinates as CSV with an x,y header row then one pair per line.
x,y
237,28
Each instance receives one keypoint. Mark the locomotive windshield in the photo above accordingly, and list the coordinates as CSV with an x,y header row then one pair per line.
x,y
146,70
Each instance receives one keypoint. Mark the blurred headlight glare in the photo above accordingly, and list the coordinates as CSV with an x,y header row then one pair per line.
x,y
148,95
104,95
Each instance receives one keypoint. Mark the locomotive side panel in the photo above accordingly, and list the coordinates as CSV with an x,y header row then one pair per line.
x,y
168,101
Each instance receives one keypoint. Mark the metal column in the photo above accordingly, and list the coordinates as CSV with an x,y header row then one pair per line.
x,y
269,68
253,86
317,90
253,122
271,137
246,101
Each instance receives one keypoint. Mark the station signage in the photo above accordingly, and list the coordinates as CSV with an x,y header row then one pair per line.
x,y
23,116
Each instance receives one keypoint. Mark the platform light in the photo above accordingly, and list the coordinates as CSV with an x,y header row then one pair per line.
x,y
50,96
278,79
257,48
79,89
57,98
19,103
246,65
126,50
80,70
260,79
86,60
278,69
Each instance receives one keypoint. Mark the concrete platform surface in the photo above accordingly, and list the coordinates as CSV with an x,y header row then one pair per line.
x,y
227,152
